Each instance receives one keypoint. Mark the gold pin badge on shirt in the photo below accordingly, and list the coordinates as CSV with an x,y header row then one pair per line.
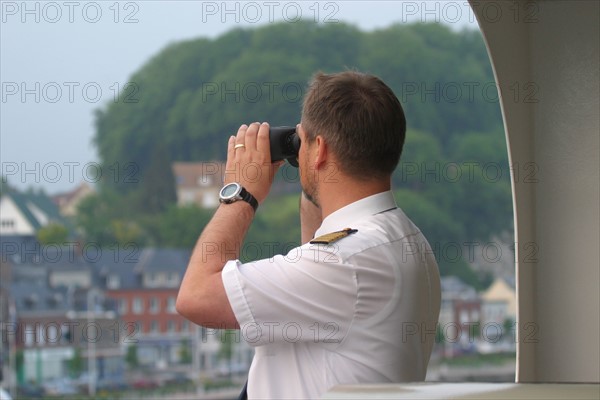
x,y
334,236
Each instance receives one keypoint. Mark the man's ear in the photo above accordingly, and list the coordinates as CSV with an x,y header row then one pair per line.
x,y
321,153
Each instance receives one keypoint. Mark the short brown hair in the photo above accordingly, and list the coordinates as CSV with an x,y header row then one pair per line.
x,y
361,120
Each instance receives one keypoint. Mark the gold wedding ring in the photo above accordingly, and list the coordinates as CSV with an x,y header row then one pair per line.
x,y
238,146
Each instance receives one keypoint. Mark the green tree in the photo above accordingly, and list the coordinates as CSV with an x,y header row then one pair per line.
x,y
274,230
508,329
75,363
228,338
4,185
131,357
20,366
108,218
53,233
482,204
178,227
185,353
157,189
421,150
125,232
439,334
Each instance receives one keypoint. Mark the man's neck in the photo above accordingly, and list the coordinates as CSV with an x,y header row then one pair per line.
x,y
344,191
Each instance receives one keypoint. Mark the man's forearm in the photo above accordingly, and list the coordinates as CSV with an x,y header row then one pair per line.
x,y
223,236
201,296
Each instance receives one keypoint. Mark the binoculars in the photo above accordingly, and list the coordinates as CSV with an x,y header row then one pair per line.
x,y
285,144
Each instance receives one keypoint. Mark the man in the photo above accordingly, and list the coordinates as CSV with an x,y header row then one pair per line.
x,y
359,300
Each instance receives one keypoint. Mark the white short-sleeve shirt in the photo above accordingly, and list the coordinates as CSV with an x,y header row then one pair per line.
x,y
362,309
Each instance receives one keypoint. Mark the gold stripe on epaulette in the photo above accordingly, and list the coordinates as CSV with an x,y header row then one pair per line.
x,y
334,236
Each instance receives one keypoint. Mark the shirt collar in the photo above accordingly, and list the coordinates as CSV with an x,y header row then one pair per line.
x,y
368,206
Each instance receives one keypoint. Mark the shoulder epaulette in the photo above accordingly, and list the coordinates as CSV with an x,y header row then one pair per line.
x,y
333,236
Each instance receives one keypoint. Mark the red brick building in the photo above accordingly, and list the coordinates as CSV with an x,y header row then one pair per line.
x,y
145,290
148,311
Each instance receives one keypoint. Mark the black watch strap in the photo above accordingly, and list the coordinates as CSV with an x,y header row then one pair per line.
x,y
248,198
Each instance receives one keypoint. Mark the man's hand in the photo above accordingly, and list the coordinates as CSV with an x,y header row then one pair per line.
x,y
249,160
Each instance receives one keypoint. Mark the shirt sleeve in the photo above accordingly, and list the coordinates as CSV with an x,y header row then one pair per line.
x,y
308,294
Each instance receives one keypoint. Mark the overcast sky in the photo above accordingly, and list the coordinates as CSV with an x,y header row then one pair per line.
x,y
61,60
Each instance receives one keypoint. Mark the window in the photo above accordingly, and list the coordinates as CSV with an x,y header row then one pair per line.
x,y
40,338
464,316
138,305
154,327
171,305
123,309
51,333
172,326
154,305
205,181
210,200
187,197
173,279
7,223
29,334
113,281
31,300
65,333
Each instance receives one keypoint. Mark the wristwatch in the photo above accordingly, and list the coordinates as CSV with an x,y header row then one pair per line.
x,y
233,192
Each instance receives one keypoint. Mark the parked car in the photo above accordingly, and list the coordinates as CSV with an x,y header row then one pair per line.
x,y
112,383
178,378
144,383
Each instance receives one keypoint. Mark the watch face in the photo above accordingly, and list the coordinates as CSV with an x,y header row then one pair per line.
x,y
229,191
